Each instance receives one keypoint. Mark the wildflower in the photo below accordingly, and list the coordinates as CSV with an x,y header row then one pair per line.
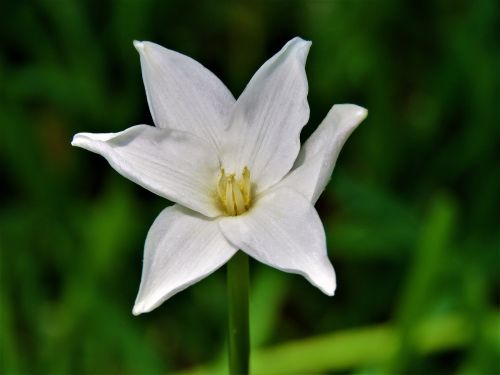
x,y
234,168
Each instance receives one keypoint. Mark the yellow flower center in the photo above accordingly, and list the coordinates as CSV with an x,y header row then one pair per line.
x,y
234,194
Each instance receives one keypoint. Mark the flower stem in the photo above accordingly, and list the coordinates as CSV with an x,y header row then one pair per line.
x,y
239,339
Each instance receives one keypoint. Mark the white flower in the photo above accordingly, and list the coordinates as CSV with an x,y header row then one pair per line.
x,y
232,167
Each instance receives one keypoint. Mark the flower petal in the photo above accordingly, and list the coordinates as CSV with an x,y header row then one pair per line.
x,y
283,230
171,163
182,94
268,117
314,165
182,247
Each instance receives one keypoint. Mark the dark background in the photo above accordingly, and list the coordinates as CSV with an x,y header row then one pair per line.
x,y
411,214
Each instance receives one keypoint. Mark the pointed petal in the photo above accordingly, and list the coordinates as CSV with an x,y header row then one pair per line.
x,y
182,94
182,247
268,117
314,165
171,163
283,230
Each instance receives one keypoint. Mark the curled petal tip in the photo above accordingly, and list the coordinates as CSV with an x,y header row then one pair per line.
x,y
362,113
138,309
353,110
303,45
328,284
136,312
331,291
76,141
329,288
298,39
300,46
139,46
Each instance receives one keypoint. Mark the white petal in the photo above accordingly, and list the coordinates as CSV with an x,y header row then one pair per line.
x,y
314,165
268,117
171,163
182,247
283,230
183,94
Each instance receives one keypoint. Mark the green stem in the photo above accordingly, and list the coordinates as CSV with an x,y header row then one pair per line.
x,y
239,339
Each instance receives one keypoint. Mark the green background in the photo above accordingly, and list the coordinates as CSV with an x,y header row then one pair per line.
x,y
411,213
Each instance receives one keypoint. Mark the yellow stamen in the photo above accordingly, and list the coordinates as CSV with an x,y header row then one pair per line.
x,y
245,186
234,194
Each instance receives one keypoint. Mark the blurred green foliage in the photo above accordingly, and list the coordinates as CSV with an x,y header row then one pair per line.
x,y
412,211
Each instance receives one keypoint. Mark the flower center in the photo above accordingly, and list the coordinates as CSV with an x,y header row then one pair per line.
x,y
234,194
